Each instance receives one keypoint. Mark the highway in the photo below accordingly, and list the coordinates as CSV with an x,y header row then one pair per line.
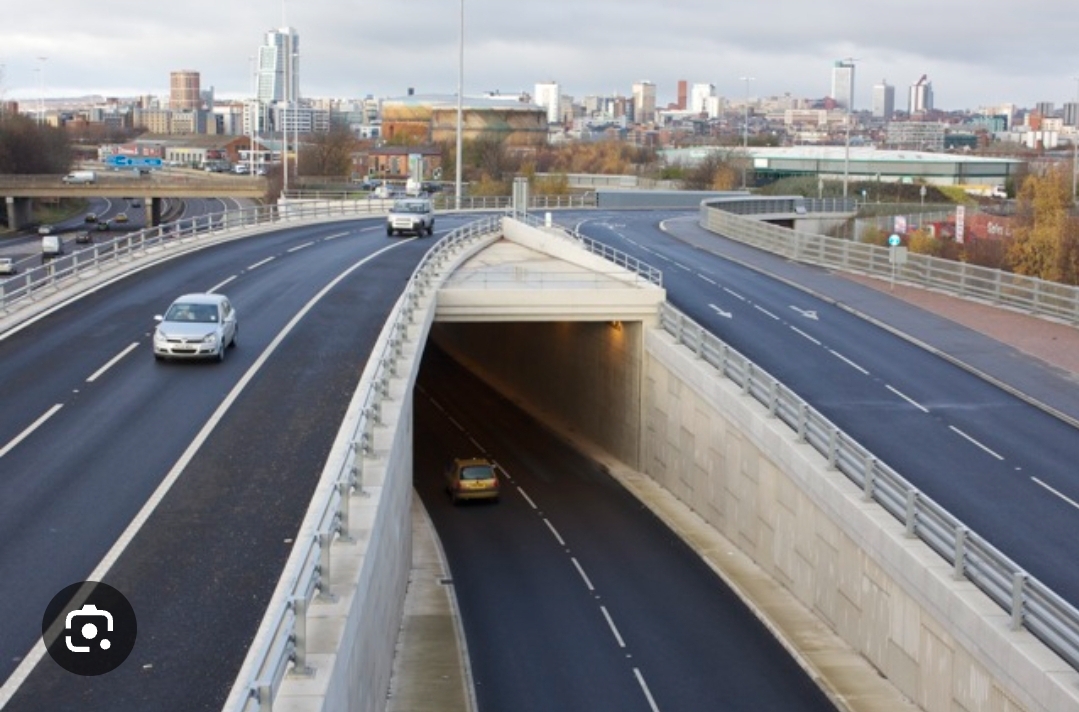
x,y
1002,466
101,429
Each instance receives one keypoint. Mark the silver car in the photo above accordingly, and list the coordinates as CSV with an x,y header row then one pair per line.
x,y
196,326
413,215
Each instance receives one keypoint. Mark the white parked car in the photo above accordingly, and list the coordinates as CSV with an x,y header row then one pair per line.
x,y
196,326
7,266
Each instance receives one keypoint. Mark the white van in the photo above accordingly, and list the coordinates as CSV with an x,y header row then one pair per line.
x,y
51,246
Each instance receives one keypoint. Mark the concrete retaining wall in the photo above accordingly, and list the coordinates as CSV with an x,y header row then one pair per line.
x,y
940,641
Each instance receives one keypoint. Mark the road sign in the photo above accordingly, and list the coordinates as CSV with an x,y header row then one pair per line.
x,y
133,162
894,240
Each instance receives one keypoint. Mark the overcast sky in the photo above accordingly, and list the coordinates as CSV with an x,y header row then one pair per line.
x,y
975,53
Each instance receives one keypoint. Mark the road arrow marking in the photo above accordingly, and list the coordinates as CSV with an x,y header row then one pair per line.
x,y
719,311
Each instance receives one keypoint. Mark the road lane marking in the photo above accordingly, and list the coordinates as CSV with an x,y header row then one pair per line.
x,y
527,498
975,442
297,248
112,362
720,312
580,570
847,361
30,661
708,279
554,531
258,264
645,690
682,266
764,311
33,426
479,447
801,333
807,313
913,402
734,294
219,285
335,236
1058,493
614,628
457,424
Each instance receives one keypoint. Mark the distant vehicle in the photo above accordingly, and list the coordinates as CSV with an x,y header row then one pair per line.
x,y
999,191
136,204
90,217
120,218
51,246
472,478
83,237
413,187
240,168
102,225
7,266
44,229
413,215
196,326
80,177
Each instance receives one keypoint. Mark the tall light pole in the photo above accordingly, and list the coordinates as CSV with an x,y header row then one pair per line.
x,y
1075,142
284,114
460,109
41,102
849,62
745,131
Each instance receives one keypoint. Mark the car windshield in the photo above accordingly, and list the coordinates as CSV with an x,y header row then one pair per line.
x,y
477,472
410,207
204,313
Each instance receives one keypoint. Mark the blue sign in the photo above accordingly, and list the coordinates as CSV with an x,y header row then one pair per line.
x,y
133,162
894,240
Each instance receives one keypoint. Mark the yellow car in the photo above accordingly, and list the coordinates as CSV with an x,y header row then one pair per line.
x,y
120,217
472,478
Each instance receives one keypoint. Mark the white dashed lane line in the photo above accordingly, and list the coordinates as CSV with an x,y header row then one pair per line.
x,y
614,628
804,335
1056,492
33,426
112,362
972,441
297,248
847,361
580,570
261,262
708,279
913,402
554,531
219,285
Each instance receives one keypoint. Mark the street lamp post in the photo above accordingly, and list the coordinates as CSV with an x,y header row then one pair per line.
x,y
460,109
1075,142
745,132
41,102
850,109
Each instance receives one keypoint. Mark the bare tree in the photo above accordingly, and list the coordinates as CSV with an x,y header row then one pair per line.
x,y
29,148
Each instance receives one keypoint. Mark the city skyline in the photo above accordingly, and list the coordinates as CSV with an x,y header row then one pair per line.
x,y
1002,53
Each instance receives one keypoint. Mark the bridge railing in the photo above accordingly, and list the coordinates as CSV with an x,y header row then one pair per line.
x,y
1030,294
281,646
1029,603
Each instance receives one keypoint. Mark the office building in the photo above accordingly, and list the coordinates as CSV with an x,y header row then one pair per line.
x,y
843,84
682,95
698,97
278,72
184,91
644,102
883,100
920,99
1071,114
549,96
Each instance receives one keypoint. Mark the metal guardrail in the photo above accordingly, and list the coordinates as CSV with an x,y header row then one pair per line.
x,y
307,575
1038,296
443,201
1031,605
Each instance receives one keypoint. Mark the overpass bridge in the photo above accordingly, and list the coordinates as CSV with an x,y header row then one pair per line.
x,y
19,191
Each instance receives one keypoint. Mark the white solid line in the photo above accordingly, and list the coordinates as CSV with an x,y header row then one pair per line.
x,y
761,309
707,279
913,402
554,531
802,333
33,426
614,628
734,294
262,262
580,570
335,236
847,361
975,442
1058,493
297,248
219,285
112,362
644,688
28,663
527,498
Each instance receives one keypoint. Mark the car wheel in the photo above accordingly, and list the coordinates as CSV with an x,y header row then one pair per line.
x,y
389,232
431,229
232,341
221,353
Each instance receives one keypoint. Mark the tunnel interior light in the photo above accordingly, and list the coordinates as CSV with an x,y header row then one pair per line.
x,y
616,325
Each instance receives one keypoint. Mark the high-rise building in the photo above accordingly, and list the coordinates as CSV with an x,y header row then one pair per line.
x,y
184,91
920,99
1044,109
883,100
279,67
698,97
549,96
644,102
843,84
682,96
1071,113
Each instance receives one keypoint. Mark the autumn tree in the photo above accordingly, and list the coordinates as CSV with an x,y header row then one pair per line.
x,y
1045,239
27,147
328,153
719,170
